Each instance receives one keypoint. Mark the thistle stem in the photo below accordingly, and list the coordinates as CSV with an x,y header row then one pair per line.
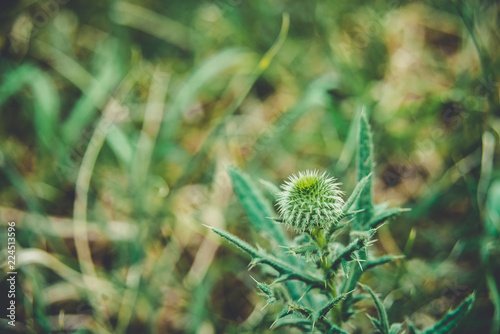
x,y
318,236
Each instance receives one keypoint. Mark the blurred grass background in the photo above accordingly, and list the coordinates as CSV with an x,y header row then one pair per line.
x,y
120,118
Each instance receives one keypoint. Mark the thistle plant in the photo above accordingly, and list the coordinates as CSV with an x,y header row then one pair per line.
x,y
316,277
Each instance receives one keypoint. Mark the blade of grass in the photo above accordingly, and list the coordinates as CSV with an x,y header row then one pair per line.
x,y
314,96
199,79
139,171
160,26
83,80
41,225
46,104
96,94
80,204
263,64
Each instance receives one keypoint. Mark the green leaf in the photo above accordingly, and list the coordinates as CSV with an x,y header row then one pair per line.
x,y
346,268
199,300
287,270
381,214
200,78
349,252
173,116
335,330
379,261
270,188
492,219
347,305
97,93
257,207
395,328
46,103
365,166
46,106
151,22
266,290
254,253
308,251
382,323
495,299
316,95
323,312
120,145
452,319
303,324
360,187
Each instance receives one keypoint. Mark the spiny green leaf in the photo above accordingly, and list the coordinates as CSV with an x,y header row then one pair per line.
x,y
395,328
346,268
381,260
331,304
379,217
261,257
282,314
355,245
302,310
383,323
284,278
258,209
365,162
356,272
300,323
307,319
336,330
347,305
346,255
452,319
254,253
309,251
309,248
267,290
360,187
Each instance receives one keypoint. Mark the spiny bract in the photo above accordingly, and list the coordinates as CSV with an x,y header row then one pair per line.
x,y
309,200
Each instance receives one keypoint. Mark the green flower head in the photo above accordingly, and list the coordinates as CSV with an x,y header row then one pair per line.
x,y
310,200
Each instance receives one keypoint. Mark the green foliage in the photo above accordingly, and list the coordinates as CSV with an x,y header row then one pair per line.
x,y
286,270
490,248
451,320
365,168
318,249
258,209
119,119
382,324
46,103
352,202
319,257
202,76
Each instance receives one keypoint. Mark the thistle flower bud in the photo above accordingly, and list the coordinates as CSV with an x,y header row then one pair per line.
x,y
310,200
